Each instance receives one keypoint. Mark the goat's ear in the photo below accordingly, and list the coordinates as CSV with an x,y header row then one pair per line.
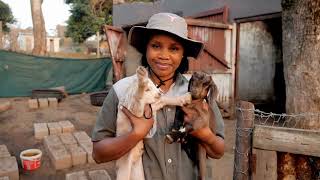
x,y
213,91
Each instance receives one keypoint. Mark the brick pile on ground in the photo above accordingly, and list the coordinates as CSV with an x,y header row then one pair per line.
x,y
53,128
43,103
91,175
69,149
8,165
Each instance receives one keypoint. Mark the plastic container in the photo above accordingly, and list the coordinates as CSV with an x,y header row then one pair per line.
x,y
97,98
31,159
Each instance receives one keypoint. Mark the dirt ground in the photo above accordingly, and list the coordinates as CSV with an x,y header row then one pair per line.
x,y
16,132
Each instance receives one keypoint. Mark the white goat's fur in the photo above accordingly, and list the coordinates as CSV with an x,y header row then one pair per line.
x,y
142,91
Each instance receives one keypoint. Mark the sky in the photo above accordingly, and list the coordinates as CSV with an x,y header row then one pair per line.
x,y
54,11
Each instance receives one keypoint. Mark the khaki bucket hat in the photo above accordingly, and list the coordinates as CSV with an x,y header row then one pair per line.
x,y
168,23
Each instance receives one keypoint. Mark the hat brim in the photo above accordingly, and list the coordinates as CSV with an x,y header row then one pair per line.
x,y
138,36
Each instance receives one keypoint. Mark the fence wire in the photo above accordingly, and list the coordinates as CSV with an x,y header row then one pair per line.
x,y
296,121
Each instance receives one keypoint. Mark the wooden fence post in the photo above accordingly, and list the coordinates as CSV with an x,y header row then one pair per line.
x,y
243,149
1,35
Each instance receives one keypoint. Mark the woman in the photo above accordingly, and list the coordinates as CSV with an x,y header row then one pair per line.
x,y
165,48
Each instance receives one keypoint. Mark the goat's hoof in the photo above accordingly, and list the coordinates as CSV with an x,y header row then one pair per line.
x,y
169,139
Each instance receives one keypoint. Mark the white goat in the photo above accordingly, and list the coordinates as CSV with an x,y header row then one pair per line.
x,y
140,92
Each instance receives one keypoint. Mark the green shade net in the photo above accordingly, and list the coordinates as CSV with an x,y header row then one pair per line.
x,y
20,74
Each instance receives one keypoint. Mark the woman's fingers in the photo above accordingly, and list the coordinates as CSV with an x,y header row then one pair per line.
x,y
141,125
127,112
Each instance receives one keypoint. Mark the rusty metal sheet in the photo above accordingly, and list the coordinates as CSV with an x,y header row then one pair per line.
x,y
117,44
214,15
218,55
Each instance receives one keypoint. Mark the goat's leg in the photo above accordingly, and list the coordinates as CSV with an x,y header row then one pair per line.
x,y
124,167
202,162
137,170
172,101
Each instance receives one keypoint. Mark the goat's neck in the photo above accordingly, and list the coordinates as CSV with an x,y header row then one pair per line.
x,y
134,102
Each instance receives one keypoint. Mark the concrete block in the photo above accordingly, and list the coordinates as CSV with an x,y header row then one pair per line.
x,y
60,157
5,106
43,102
68,139
54,128
80,175
4,151
9,167
53,102
4,178
82,136
99,175
67,126
78,155
33,103
88,149
40,130
52,140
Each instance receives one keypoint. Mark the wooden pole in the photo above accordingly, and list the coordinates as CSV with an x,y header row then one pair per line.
x,y
98,44
1,35
242,154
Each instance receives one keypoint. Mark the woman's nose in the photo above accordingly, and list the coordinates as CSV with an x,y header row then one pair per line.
x,y
164,54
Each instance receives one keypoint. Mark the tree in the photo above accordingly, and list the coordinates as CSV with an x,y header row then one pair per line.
x,y
39,30
87,18
6,16
301,44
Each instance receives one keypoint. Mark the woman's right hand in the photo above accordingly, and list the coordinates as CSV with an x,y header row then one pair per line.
x,y
140,125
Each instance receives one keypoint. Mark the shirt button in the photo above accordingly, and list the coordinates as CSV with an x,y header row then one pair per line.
x,y
169,109
169,160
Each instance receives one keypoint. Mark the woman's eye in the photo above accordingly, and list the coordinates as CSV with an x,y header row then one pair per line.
x,y
155,46
147,90
174,49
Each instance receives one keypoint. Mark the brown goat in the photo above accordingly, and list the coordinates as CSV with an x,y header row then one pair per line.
x,y
202,88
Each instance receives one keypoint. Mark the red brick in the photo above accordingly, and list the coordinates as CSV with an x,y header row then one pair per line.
x,y
54,128
9,167
40,130
76,176
33,103
67,139
99,175
43,102
82,137
52,140
53,102
88,148
4,151
60,157
66,126
78,155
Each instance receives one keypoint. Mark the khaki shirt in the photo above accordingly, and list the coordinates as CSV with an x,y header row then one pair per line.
x,y
160,160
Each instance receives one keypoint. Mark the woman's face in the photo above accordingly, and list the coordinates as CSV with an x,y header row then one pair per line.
x,y
164,54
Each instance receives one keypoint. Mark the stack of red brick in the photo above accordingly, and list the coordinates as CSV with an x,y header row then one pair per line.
x,y
42,103
8,165
93,175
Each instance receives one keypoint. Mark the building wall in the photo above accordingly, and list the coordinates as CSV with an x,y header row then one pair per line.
x,y
134,13
56,44
259,53
26,43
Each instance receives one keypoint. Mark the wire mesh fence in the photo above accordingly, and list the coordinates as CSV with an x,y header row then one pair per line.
x,y
243,148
